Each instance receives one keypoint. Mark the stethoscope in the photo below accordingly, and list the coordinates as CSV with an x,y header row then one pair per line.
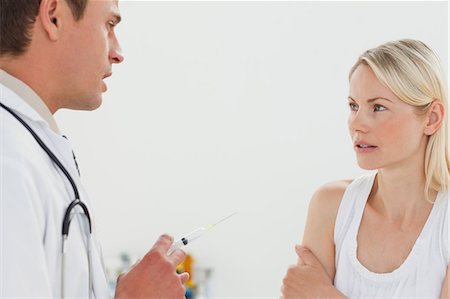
x,y
68,214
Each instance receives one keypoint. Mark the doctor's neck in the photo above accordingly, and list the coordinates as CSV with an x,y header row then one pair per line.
x,y
35,75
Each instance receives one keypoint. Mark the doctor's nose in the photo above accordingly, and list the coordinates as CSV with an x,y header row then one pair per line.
x,y
115,54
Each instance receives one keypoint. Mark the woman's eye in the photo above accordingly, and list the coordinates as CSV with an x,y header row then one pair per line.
x,y
379,108
353,106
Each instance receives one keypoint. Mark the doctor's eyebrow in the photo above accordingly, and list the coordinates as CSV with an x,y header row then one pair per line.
x,y
372,99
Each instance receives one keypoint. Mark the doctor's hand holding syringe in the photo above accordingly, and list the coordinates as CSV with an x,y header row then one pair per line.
x,y
157,267
154,274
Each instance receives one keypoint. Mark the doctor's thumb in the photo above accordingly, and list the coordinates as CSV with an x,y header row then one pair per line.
x,y
184,277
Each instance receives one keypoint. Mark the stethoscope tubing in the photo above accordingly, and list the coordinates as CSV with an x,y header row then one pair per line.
x,y
46,149
76,202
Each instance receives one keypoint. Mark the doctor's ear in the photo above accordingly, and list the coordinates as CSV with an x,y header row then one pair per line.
x,y
50,17
435,116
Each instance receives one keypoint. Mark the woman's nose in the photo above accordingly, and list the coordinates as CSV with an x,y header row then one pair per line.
x,y
358,122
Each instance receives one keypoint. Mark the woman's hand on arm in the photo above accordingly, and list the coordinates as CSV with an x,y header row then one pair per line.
x,y
308,279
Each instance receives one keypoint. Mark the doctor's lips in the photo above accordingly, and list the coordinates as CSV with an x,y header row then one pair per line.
x,y
107,75
104,84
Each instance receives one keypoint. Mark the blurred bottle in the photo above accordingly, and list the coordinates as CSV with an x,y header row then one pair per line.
x,y
187,266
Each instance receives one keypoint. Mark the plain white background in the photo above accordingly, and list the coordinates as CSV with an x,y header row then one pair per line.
x,y
224,106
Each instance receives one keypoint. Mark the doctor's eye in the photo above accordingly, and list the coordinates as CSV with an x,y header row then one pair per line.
x,y
353,106
378,107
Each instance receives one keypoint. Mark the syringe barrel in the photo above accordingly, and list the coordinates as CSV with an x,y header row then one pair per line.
x,y
186,240
193,235
175,245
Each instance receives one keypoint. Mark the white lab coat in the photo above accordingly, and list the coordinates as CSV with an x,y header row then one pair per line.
x,y
34,196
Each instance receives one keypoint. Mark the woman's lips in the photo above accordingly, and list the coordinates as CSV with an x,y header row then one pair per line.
x,y
364,148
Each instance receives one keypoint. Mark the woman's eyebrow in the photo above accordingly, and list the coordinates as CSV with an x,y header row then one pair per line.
x,y
372,99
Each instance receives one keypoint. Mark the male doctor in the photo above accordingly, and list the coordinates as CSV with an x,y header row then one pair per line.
x,y
55,54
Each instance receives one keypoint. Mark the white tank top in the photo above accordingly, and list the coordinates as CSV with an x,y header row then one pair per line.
x,y
422,273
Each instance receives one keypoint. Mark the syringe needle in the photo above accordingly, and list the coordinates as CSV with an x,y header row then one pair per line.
x,y
194,235
222,220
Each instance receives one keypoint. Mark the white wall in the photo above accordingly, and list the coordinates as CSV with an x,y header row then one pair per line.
x,y
223,106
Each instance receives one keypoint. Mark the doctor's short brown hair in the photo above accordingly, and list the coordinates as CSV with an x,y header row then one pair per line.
x,y
17,18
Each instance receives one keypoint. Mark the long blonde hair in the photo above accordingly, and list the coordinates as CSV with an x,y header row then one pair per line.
x,y
412,71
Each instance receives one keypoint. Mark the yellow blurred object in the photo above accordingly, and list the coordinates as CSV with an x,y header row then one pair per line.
x,y
186,266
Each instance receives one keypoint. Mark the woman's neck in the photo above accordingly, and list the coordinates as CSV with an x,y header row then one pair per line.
x,y
399,193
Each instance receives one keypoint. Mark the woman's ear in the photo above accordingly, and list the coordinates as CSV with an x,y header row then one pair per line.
x,y
435,116
50,17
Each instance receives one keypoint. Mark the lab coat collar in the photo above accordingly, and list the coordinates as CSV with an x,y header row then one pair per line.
x,y
30,104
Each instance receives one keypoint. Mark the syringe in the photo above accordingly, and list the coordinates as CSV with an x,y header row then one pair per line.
x,y
194,235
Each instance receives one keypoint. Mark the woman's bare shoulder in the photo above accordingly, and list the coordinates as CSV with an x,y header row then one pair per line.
x,y
328,197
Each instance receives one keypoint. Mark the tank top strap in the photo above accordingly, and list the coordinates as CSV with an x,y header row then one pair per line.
x,y
351,208
446,223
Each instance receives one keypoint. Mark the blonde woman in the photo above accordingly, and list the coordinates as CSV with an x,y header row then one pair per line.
x,y
385,234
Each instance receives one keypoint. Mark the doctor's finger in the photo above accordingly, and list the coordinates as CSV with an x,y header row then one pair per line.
x,y
163,243
177,257
184,277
